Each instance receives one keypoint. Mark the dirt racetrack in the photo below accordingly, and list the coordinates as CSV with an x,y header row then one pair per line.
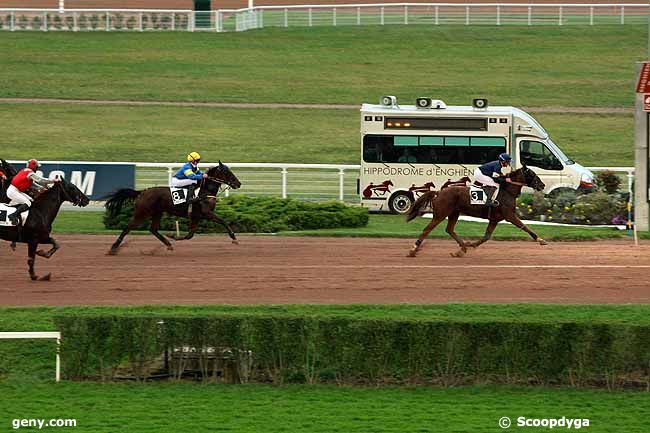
x,y
279,270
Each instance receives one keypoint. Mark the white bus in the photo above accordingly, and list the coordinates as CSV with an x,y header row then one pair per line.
x,y
410,149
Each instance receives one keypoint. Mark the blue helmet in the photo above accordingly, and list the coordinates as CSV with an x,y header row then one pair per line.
x,y
505,157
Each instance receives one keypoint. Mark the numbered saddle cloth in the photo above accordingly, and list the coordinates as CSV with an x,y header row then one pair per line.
x,y
477,195
179,195
5,211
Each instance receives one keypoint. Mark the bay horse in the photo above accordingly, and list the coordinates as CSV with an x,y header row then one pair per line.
x,y
454,200
38,225
151,203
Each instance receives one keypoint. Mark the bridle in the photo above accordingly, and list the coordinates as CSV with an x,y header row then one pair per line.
x,y
224,185
66,195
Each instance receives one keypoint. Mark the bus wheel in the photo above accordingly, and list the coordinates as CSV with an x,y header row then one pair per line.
x,y
400,202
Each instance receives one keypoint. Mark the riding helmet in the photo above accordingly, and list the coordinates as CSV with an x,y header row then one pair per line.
x,y
194,157
33,165
505,157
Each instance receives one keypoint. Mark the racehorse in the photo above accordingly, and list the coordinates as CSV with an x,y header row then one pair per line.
x,y
38,225
450,202
153,202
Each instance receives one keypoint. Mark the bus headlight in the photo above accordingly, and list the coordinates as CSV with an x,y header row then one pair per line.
x,y
586,180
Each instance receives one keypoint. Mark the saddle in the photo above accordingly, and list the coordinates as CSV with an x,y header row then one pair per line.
x,y
180,194
479,194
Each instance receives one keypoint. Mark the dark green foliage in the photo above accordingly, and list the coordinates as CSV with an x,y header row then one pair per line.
x,y
262,215
574,208
315,349
608,181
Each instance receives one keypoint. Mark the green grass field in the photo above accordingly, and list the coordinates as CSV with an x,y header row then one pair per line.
x,y
167,408
540,66
378,226
163,134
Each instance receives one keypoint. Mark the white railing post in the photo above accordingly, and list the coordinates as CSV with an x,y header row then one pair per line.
x,y
311,22
358,16
57,374
44,21
108,22
560,19
630,180
382,15
140,16
216,21
437,20
591,15
406,15
190,18
284,182
334,16
173,22
466,15
261,19
341,181
75,25
286,17
530,16
622,14
13,21
170,173
498,15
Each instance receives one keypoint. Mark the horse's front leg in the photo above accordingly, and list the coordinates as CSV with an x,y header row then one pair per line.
x,y
451,223
31,252
51,251
219,220
488,234
514,219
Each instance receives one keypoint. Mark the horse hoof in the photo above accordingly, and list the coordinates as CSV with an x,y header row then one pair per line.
x,y
235,242
47,277
170,248
112,252
541,241
459,253
412,253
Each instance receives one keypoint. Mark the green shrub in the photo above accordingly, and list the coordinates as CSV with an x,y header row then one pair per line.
x,y
83,22
69,22
350,351
262,215
37,23
608,182
22,22
130,23
574,208
94,21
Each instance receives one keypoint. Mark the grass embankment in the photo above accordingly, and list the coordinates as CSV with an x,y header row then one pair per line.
x,y
168,408
163,134
378,226
540,66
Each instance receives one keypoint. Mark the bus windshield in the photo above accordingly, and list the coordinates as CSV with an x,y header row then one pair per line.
x,y
559,153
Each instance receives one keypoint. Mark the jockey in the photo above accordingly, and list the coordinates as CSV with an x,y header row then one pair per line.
x,y
189,175
491,176
20,184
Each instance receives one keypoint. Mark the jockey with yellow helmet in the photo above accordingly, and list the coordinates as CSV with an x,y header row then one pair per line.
x,y
189,175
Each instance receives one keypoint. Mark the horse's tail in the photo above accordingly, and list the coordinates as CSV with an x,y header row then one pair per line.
x,y
118,198
420,204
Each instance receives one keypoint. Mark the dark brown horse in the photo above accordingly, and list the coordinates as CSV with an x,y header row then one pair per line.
x,y
454,200
153,202
38,225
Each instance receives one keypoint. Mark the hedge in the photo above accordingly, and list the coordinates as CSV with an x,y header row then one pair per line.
x,y
261,215
279,349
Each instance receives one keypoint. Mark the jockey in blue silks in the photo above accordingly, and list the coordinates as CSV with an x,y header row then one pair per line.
x,y
491,176
189,175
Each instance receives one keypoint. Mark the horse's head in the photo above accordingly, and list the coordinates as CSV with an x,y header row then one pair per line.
x,y
10,170
221,173
71,193
529,178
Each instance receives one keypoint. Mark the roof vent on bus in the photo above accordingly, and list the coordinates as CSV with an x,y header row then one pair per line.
x,y
480,103
430,103
388,101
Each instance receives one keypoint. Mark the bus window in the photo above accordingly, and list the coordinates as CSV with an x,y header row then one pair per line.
x,y
536,154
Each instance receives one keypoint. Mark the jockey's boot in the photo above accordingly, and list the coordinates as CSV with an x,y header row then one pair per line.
x,y
15,217
190,194
491,192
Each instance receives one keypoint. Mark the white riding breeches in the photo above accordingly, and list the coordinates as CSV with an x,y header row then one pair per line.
x,y
18,197
179,183
485,180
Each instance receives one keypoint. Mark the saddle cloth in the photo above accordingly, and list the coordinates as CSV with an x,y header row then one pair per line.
x,y
179,195
5,211
477,195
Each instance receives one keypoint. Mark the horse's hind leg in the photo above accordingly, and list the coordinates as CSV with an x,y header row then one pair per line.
x,y
31,252
451,223
418,243
219,220
514,219
488,234
136,220
155,225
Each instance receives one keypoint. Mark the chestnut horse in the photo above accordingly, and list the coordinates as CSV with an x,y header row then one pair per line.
x,y
454,200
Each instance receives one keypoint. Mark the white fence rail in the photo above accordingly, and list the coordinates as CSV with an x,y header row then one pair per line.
x,y
39,335
141,20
